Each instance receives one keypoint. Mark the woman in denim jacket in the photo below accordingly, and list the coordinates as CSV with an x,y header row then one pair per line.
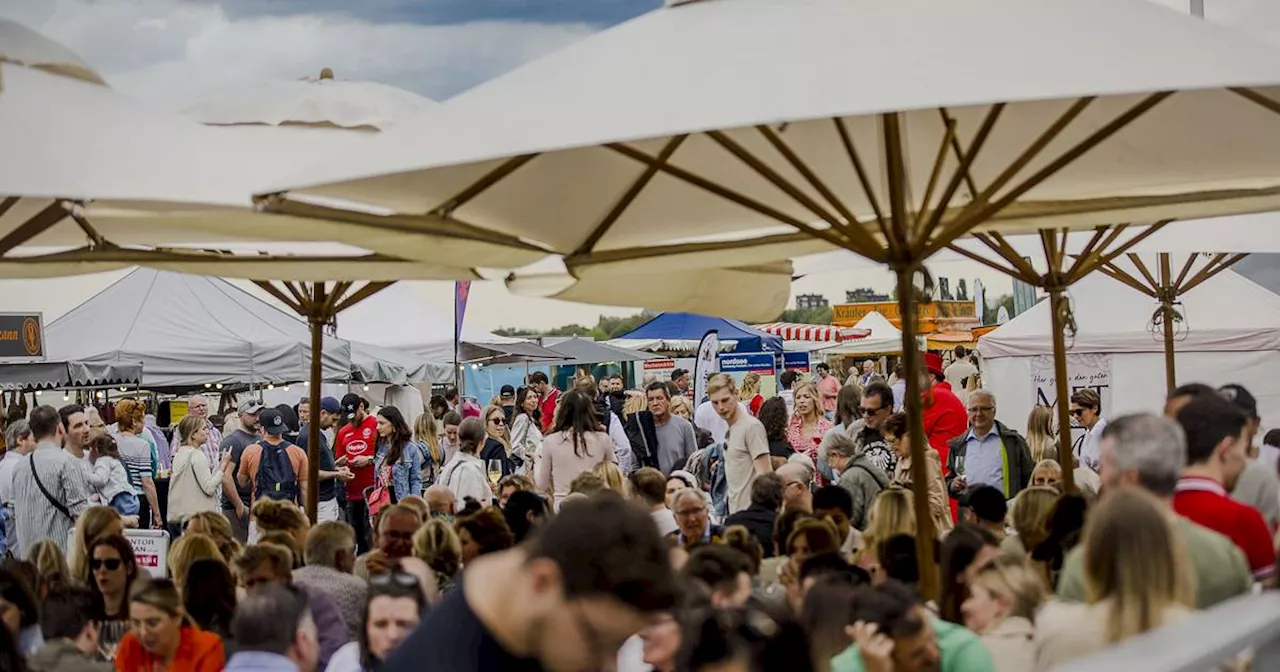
x,y
397,449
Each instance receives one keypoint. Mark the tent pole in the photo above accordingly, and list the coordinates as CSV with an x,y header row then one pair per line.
x,y
925,534
1059,309
1167,291
316,321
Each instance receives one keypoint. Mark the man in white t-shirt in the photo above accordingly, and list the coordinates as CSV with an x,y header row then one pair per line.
x,y
746,452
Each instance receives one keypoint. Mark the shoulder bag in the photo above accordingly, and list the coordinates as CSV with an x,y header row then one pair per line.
x,y
56,504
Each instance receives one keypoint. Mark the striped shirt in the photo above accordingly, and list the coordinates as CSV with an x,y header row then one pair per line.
x,y
35,517
136,454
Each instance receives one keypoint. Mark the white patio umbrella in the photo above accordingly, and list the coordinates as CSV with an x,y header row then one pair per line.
x,y
886,128
103,181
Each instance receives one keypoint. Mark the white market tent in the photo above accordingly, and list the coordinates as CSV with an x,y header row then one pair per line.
x,y
190,330
884,338
1230,334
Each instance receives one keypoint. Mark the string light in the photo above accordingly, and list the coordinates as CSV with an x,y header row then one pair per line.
x,y
101,394
219,386
366,388
38,393
66,397
208,385
286,388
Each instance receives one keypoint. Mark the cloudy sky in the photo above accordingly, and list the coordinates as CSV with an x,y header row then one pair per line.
x,y
177,52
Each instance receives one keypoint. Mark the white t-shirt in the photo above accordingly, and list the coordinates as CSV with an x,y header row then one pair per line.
x,y
747,441
1091,447
665,520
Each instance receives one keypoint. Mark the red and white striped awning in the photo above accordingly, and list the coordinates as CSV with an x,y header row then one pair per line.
x,y
813,332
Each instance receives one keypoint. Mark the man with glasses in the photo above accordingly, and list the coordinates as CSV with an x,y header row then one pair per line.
x,y
566,600
693,522
797,481
876,407
988,454
198,406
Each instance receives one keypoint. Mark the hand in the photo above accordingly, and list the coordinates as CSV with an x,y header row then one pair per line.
x,y
362,461
788,574
345,474
240,510
156,521
378,563
130,522
225,461
341,461
959,483
876,648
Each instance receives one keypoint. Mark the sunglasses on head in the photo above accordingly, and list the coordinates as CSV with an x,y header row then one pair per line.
x,y
397,578
112,564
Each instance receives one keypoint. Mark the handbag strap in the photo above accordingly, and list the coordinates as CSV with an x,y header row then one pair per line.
x,y
56,504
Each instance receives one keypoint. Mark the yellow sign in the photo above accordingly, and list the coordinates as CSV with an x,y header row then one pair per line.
x,y
848,314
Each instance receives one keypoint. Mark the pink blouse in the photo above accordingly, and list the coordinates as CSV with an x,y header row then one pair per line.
x,y
808,444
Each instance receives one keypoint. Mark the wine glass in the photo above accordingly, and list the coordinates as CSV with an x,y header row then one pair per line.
x,y
495,471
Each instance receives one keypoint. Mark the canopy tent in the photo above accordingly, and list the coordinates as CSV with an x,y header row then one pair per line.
x,y
63,375
579,350
811,332
401,317
1228,335
190,330
883,338
683,331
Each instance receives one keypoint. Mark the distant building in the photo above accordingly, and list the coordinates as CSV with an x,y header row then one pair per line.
x,y
806,301
863,295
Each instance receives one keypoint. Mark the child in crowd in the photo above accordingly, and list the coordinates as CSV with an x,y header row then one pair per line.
x,y
107,477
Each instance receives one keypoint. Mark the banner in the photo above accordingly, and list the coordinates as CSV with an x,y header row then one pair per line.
x,y
21,337
762,363
461,292
705,366
1083,371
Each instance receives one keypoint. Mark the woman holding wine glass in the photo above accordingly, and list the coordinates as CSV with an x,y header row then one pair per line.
x,y
466,474
497,443
577,443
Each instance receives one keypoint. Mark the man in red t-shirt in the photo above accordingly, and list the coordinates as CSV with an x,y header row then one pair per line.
x,y
354,446
1216,455
549,395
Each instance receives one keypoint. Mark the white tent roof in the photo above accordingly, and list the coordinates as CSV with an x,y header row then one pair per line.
x,y
884,338
1225,313
189,330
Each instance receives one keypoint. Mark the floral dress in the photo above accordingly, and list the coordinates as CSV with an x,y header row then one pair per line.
x,y
808,445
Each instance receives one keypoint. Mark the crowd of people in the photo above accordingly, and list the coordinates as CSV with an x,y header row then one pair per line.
x,y
600,527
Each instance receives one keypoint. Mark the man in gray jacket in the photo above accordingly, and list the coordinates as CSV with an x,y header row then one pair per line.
x,y
858,474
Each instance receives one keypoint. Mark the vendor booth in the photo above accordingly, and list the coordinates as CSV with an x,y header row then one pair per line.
x,y
1227,333
681,332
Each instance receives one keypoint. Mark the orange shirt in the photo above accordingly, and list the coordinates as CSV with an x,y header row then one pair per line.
x,y
252,456
198,651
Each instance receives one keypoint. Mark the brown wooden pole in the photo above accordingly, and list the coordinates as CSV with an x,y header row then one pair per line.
x,y
1167,291
1058,309
925,534
316,321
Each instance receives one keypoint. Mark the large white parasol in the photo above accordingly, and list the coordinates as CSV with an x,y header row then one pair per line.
x,y
93,180
778,123
890,129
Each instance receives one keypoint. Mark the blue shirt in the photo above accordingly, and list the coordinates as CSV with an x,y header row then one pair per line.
x,y
259,661
984,459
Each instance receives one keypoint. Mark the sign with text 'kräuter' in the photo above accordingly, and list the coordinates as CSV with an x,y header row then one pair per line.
x,y
21,337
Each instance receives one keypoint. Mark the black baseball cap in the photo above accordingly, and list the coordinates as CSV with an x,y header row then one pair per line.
x,y
1241,397
350,402
330,405
272,422
507,391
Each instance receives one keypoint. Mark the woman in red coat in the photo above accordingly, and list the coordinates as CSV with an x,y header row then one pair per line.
x,y
945,416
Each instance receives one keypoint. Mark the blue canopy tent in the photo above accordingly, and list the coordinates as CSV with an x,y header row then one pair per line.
x,y
681,332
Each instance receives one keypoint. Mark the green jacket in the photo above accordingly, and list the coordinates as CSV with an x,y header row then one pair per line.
x,y
1015,457
960,650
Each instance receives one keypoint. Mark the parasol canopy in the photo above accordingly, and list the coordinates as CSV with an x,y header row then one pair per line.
x,y
676,142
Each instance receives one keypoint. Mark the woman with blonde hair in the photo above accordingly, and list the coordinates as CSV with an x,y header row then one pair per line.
x,y
680,406
216,525
1030,518
164,637
427,433
808,425
1002,605
94,523
497,443
893,513
187,550
139,458
277,515
50,563
1136,577
1040,437
194,483
437,544
750,393
612,476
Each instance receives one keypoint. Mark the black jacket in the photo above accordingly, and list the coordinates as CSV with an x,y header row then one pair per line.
x,y
759,522
642,434
1019,463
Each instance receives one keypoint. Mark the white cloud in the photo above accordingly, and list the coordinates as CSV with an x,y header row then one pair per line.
x,y
177,52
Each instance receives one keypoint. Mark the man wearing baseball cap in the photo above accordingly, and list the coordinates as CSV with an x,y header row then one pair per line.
x,y
331,475
257,463
1258,485
507,397
357,440
235,502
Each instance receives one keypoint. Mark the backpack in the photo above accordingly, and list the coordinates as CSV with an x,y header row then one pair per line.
x,y
276,479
